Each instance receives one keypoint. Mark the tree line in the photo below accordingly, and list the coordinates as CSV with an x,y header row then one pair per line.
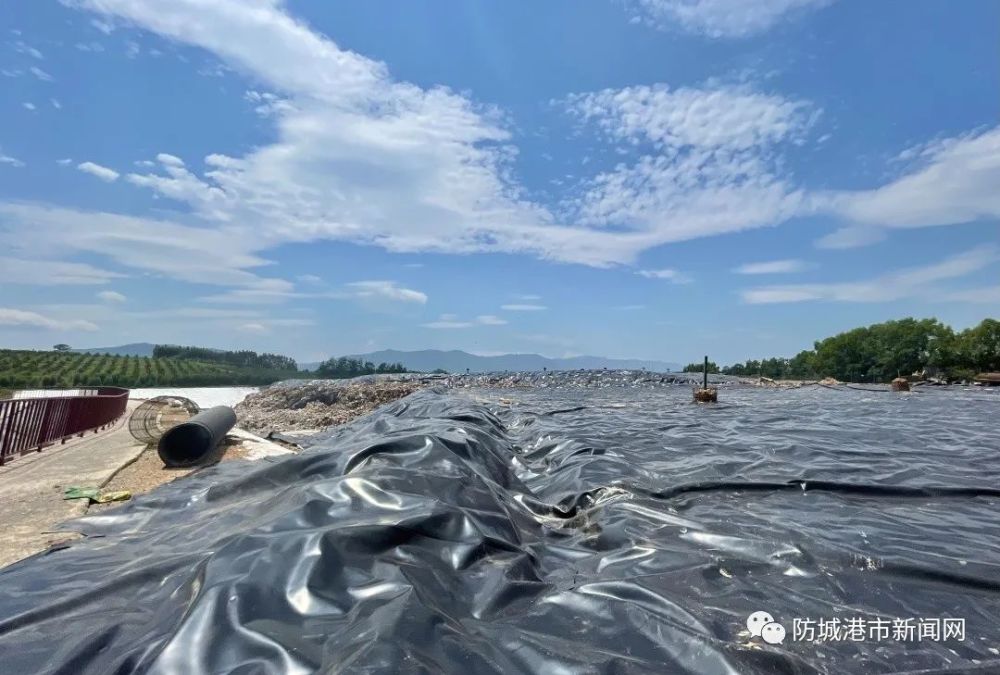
x,y
882,351
240,359
345,367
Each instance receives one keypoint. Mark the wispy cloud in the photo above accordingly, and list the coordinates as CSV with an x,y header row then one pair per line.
x,y
102,172
111,296
709,161
952,181
102,26
452,321
523,308
386,290
22,47
670,275
20,318
10,161
906,283
265,326
771,267
721,18
40,74
40,272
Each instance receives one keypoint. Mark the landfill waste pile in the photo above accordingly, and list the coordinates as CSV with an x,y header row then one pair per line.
x,y
317,404
577,530
313,405
578,379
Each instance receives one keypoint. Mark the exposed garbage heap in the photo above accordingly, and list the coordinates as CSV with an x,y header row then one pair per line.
x,y
317,404
578,379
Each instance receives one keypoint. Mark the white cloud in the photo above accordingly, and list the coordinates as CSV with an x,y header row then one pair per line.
x,y
64,162
358,156
256,292
906,283
52,273
194,254
523,308
309,279
451,321
953,181
40,74
10,161
771,267
528,296
722,18
851,237
709,162
254,327
55,103
28,105
736,118
265,326
169,160
102,172
90,46
111,296
25,319
668,274
102,26
23,48
386,290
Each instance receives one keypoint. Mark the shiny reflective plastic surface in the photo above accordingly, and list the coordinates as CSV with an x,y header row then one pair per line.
x,y
633,531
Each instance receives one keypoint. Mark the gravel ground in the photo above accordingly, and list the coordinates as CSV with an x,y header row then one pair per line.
x,y
147,472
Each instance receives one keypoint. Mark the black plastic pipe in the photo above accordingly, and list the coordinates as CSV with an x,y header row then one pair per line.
x,y
190,442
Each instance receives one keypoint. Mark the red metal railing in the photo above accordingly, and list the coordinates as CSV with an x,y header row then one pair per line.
x,y
30,424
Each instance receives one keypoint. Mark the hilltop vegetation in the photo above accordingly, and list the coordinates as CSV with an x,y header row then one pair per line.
x,y
21,369
882,351
345,367
240,359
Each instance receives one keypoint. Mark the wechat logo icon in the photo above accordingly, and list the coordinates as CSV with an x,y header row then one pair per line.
x,y
763,625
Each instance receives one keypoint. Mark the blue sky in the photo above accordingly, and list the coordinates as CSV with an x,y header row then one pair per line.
x,y
631,178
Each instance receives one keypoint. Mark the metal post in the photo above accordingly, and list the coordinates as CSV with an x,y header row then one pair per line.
x,y
704,384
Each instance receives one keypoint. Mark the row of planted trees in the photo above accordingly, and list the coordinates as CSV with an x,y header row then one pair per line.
x,y
240,359
30,369
882,351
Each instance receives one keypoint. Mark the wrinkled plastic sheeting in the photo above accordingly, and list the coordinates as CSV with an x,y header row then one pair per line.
x,y
437,536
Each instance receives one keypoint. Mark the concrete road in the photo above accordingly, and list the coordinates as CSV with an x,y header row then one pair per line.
x,y
32,487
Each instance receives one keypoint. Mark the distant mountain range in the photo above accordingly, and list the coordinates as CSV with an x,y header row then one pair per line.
x,y
456,361
134,349
453,361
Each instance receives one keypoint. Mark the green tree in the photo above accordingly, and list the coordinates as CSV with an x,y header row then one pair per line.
x,y
699,367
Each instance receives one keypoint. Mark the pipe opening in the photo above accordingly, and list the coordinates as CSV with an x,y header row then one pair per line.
x,y
185,444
